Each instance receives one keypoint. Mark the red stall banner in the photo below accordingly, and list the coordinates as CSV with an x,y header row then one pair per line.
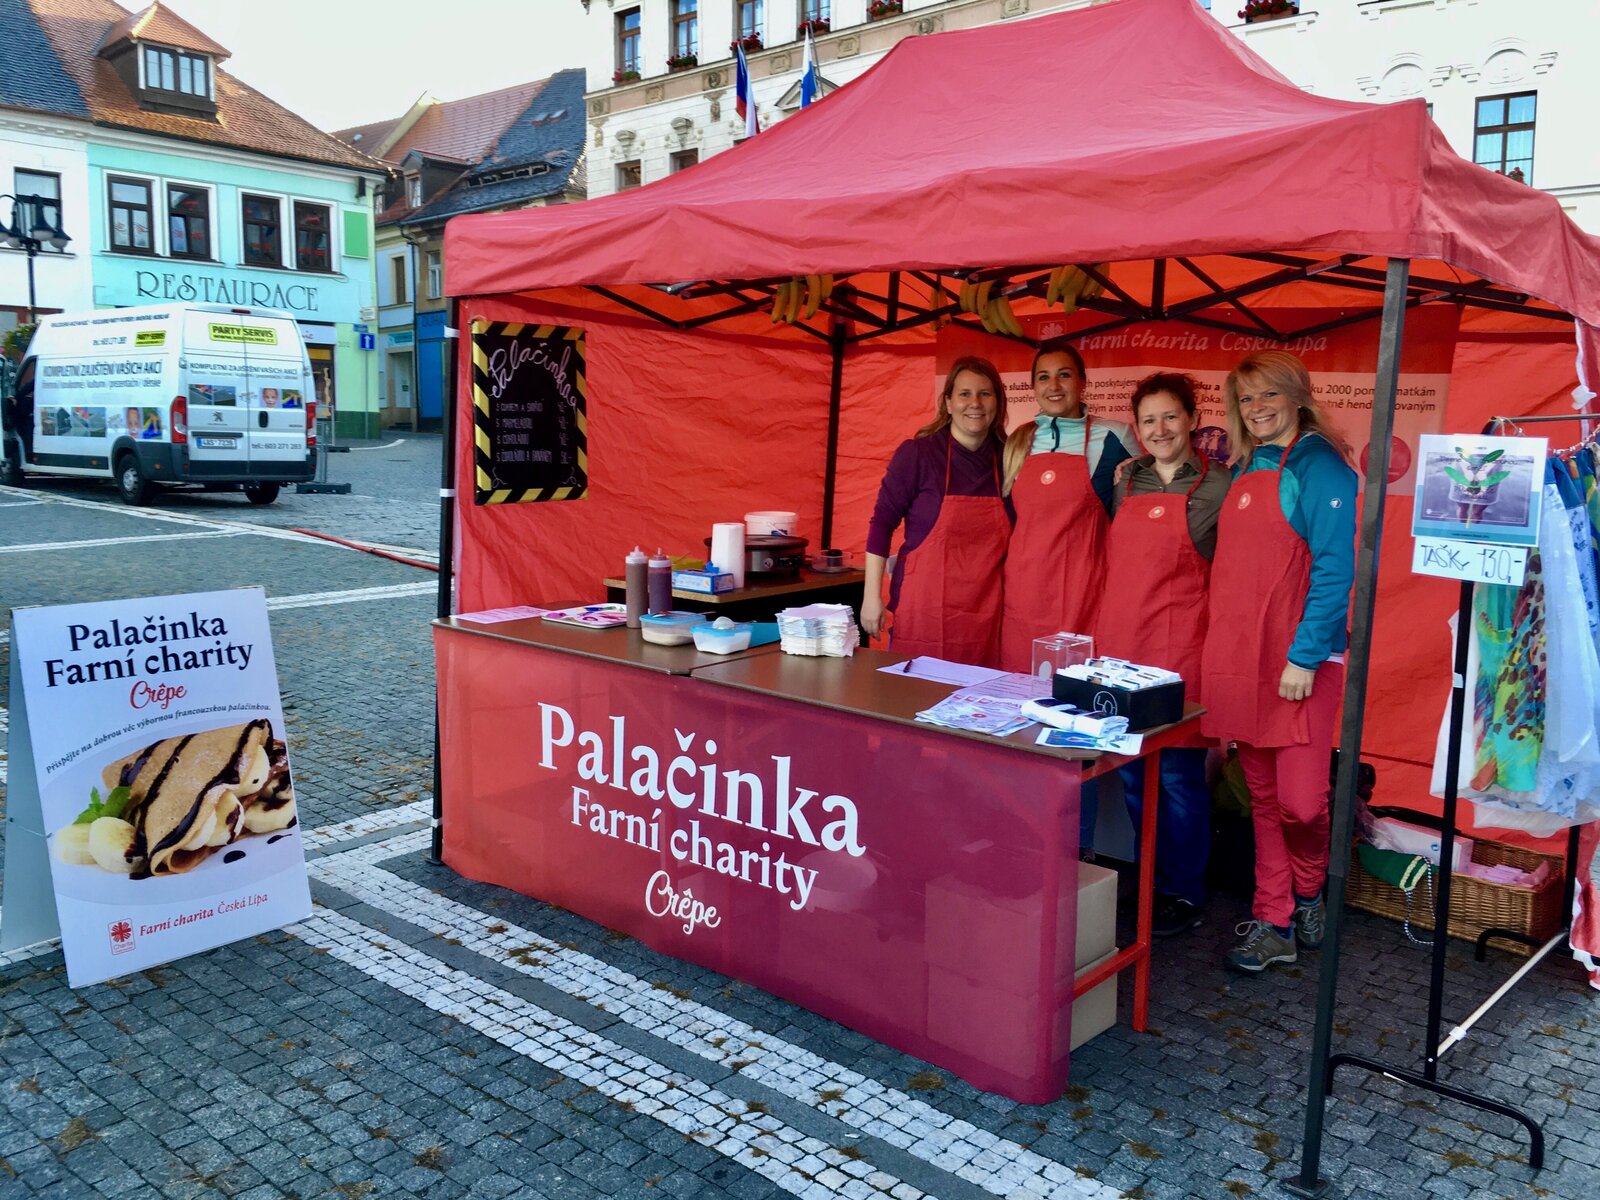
x,y
915,886
1343,363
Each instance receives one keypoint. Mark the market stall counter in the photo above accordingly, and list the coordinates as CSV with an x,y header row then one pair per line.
x,y
763,596
785,821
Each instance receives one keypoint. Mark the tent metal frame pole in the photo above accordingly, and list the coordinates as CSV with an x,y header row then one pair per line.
x,y
836,336
447,513
1387,383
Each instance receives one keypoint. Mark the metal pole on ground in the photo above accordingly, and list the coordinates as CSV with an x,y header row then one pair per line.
x,y
447,513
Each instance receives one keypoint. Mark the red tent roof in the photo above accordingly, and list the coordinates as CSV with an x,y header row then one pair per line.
x,y
1129,130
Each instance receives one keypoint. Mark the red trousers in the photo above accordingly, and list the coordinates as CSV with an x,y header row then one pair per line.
x,y
1290,806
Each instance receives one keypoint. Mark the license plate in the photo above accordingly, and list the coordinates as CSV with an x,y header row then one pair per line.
x,y
214,443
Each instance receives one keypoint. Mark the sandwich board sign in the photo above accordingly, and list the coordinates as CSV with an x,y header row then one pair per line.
x,y
151,810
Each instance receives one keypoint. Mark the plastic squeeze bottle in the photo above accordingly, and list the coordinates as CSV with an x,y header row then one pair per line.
x,y
660,583
637,571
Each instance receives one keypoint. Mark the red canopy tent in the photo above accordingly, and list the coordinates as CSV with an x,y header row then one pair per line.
x,y
1138,133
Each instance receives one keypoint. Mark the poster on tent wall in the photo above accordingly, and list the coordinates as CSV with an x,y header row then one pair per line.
x,y
1343,364
155,802
530,425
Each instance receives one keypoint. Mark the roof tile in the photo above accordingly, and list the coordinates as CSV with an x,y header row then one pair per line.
x,y
159,24
246,119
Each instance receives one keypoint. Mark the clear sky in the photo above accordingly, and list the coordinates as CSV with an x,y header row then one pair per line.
x,y
339,63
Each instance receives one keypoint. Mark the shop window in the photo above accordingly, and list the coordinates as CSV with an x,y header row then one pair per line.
x,y
748,20
313,243
263,231
628,42
435,274
46,186
684,158
628,175
399,283
188,221
685,27
131,215
1502,135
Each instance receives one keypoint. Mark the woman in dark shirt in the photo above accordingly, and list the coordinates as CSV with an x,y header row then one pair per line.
x,y
944,485
1158,568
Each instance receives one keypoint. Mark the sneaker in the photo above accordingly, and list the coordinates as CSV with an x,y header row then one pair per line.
x,y
1262,946
1174,915
1310,922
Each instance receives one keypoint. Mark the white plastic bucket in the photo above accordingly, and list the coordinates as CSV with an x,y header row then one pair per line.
x,y
768,524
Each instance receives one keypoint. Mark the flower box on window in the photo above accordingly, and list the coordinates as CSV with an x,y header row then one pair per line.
x,y
814,26
879,9
682,62
625,75
1268,10
749,43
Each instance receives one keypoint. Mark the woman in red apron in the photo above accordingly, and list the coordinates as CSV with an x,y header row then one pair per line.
x,y
1158,568
1273,661
944,486
1060,472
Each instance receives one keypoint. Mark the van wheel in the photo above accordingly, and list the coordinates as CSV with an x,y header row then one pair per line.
x,y
261,493
135,488
11,465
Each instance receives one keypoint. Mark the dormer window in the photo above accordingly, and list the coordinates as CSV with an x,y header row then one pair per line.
x,y
413,191
174,71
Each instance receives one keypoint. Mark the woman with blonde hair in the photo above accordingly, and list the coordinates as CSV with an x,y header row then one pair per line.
x,y
1273,660
944,486
1060,476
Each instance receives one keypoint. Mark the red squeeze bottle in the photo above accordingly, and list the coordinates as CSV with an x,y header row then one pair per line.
x,y
660,584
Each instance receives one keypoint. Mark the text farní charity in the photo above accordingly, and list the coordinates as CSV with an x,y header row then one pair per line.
x,y
151,631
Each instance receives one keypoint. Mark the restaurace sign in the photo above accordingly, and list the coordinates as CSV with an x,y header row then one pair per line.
x,y
208,289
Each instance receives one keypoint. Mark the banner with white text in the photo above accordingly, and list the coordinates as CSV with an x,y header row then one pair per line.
x,y
1343,363
163,789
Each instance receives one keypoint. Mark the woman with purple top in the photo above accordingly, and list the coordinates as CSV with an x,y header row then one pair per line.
x,y
944,485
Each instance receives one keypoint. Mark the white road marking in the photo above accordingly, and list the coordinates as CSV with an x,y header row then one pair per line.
x,y
89,543
385,446
993,1163
148,514
21,503
353,595
757,1140
5,731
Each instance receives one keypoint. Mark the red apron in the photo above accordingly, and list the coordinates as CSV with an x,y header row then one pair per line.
x,y
1055,564
1157,611
1259,581
949,602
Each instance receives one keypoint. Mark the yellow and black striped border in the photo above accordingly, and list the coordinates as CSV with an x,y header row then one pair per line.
x,y
484,491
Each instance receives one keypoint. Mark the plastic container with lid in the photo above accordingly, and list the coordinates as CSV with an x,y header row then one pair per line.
x,y
670,628
723,636
775,523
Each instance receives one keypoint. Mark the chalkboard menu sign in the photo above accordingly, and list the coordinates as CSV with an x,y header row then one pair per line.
x,y
528,398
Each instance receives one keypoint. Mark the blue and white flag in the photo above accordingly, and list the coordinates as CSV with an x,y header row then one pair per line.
x,y
744,98
808,73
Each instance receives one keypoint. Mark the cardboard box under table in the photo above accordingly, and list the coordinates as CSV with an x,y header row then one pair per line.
x,y
782,820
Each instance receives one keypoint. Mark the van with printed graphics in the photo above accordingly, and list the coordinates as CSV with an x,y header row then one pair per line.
x,y
194,395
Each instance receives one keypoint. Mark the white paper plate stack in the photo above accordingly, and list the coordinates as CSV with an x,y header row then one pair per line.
x,y
819,629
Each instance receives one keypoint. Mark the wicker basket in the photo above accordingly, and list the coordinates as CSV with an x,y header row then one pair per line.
x,y
1475,904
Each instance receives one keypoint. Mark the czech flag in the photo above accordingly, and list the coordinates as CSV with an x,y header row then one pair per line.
x,y
744,97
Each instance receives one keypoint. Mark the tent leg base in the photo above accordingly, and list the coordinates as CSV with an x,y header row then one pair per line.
x,y
1480,949
1399,1075
1310,1191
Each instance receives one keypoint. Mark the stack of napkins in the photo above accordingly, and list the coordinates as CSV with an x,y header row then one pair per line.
x,y
819,629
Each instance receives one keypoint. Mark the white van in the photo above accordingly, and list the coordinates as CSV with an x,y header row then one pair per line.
x,y
201,395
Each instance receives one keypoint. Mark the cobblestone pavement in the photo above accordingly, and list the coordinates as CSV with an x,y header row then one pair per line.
x,y
425,1035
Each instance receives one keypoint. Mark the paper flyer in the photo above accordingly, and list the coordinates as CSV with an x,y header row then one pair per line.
x,y
164,789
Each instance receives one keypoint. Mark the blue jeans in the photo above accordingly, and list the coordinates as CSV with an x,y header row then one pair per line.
x,y
1183,820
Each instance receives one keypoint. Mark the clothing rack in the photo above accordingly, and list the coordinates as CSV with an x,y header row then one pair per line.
x,y
1433,1048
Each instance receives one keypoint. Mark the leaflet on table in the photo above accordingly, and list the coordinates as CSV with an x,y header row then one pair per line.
x,y
1113,743
941,670
1115,672
994,715
491,615
158,791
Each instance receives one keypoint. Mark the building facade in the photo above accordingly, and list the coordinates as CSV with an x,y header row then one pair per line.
x,y
194,187
514,148
1504,78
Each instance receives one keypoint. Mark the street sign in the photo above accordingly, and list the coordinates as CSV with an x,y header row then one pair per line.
x,y
369,341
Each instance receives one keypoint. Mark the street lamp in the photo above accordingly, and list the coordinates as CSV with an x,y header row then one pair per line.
x,y
30,230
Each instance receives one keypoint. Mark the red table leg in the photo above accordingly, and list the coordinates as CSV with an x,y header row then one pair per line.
x,y
1147,891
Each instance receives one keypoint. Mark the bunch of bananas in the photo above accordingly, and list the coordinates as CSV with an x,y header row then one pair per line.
x,y
1069,284
993,310
798,299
